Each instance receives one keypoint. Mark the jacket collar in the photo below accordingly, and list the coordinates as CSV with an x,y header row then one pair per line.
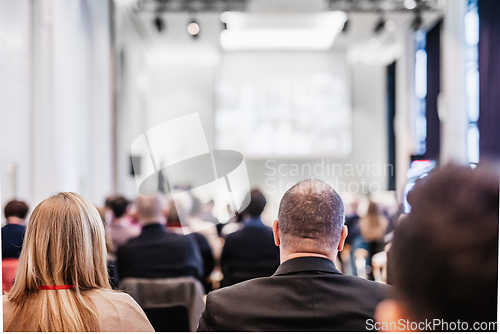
x,y
153,229
254,222
309,263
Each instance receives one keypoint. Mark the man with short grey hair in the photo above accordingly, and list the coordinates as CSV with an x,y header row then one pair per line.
x,y
307,292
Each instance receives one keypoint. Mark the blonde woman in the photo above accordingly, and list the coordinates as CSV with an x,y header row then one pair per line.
x,y
62,281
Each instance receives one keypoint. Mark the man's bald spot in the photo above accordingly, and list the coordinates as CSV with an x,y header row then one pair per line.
x,y
311,216
149,209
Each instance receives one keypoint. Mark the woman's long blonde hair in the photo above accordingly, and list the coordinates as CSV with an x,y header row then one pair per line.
x,y
64,245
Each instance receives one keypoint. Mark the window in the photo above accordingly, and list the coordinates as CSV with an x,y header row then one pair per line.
x,y
472,79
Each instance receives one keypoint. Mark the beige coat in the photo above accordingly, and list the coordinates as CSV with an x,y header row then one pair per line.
x,y
118,311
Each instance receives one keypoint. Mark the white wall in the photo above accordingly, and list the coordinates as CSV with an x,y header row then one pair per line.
x,y
166,76
58,118
15,36
369,150
170,74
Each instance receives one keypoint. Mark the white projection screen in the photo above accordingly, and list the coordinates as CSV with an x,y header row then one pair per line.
x,y
284,104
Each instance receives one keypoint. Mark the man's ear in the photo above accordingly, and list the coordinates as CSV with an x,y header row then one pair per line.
x,y
276,233
343,236
390,311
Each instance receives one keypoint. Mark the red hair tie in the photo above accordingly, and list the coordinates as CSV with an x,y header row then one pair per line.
x,y
54,287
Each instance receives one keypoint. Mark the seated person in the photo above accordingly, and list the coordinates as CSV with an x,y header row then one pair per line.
x,y
307,292
157,253
250,252
120,230
13,232
62,282
206,228
174,225
444,255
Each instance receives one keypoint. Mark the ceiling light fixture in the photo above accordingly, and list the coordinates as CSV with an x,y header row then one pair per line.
x,y
346,26
252,31
379,25
193,28
159,23
410,4
417,22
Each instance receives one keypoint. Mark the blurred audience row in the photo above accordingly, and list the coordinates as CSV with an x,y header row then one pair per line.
x,y
242,249
448,242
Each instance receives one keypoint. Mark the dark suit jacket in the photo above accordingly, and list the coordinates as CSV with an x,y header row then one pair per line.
x,y
249,253
12,240
305,294
208,259
156,253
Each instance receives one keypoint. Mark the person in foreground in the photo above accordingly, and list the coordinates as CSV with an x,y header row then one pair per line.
x,y
444,256
62,279
307,292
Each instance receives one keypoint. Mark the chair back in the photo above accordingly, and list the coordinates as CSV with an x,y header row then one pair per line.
x,y
154,293
173,318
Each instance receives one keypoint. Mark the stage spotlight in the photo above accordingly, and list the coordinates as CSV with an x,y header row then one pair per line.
x,y
379,26
417,22
193,28
410,4
159,23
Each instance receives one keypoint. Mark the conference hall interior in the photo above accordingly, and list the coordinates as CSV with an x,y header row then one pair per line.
x,y
249,165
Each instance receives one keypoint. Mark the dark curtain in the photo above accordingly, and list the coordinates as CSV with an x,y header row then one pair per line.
x,y
433,49
489,79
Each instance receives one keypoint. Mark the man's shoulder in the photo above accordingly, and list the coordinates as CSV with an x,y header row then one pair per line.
x,y
240,290
277,284
292,302
250,231
368,286
166,240
14,227
131,243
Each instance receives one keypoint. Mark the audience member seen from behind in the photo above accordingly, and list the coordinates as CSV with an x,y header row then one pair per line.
x,y
207,215
62,281
353,239
444,255
156,253
174,225
120,230
250,252
372,227
206,228
13,232
307,292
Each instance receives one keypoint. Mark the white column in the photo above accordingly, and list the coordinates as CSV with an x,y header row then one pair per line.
x,y
406,108
41,113
453,113
71,128
15,79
